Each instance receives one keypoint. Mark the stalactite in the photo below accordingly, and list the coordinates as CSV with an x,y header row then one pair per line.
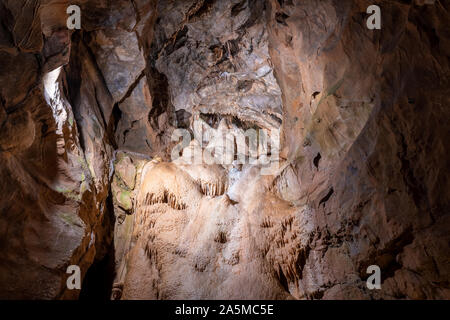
x,y
284,249
165,197
213,189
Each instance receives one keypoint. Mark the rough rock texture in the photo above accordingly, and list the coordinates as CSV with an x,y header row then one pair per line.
x,y
54,164
186,244
86,119
215,57
368,107
57,136
364,178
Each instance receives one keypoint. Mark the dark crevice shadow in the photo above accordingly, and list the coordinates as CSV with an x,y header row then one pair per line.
x,y
98,281
97,284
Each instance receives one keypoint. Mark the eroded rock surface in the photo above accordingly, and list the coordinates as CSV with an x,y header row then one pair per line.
x,y
365,134
353,190
54,173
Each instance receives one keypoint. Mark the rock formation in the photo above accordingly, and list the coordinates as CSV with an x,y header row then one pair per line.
x,y
91,174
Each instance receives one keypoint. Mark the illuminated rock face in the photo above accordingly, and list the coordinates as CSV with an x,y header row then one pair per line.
x,y
86,172
187,244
